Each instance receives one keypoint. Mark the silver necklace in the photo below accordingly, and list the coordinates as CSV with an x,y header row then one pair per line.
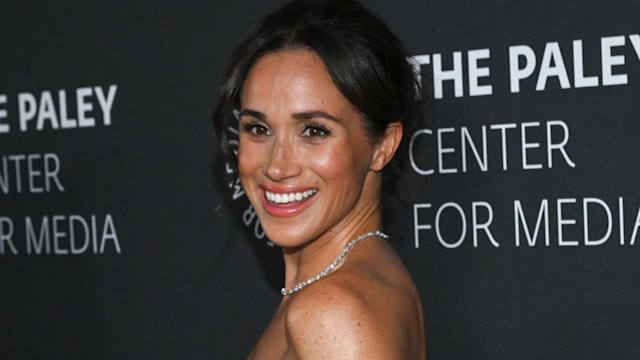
x,y
334,264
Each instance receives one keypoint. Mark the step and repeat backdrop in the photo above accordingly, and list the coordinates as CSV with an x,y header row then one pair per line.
x,y
519,211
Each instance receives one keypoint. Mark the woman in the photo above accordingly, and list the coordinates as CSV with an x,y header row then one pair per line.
x,y
324,93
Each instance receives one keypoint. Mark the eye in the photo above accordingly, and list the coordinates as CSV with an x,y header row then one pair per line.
x,y
315,131
255,129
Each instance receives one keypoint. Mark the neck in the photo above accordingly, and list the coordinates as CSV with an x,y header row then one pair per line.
x,y
306,261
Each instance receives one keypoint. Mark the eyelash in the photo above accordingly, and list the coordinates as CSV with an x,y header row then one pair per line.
x,y
312,125
253,128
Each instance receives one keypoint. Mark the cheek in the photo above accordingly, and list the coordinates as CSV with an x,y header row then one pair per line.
x,y
246,159
338,161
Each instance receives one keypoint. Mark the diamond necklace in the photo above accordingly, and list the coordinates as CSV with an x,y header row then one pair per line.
x,y
335,262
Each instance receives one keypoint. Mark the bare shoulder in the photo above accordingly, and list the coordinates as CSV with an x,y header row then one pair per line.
x,y
330,321
358,312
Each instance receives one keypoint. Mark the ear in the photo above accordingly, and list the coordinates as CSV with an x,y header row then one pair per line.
x,y
387,146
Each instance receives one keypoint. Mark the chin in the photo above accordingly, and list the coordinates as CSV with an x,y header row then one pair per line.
x,y
285,236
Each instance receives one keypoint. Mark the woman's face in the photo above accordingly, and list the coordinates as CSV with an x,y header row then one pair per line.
x,y
304,160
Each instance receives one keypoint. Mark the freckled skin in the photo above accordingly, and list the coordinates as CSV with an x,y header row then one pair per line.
x,y
299,133
337,165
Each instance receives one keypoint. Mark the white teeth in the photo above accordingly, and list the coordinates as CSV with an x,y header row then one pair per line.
x,y
290,197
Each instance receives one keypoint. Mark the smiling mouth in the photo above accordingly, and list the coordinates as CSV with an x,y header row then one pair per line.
x,y
286,198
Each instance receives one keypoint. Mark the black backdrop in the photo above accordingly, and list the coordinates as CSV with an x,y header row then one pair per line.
x,y
109,175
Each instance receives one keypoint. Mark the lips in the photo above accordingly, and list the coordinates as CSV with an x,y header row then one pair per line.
x,y
285,198
284,203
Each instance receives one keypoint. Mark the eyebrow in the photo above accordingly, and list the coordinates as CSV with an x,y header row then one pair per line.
x,y
297,116
256,114
315,114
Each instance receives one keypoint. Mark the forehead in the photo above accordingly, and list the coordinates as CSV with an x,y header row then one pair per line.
x,y
296,76
285,63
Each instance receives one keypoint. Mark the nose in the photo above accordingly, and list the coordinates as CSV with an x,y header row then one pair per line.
x,y
282,162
